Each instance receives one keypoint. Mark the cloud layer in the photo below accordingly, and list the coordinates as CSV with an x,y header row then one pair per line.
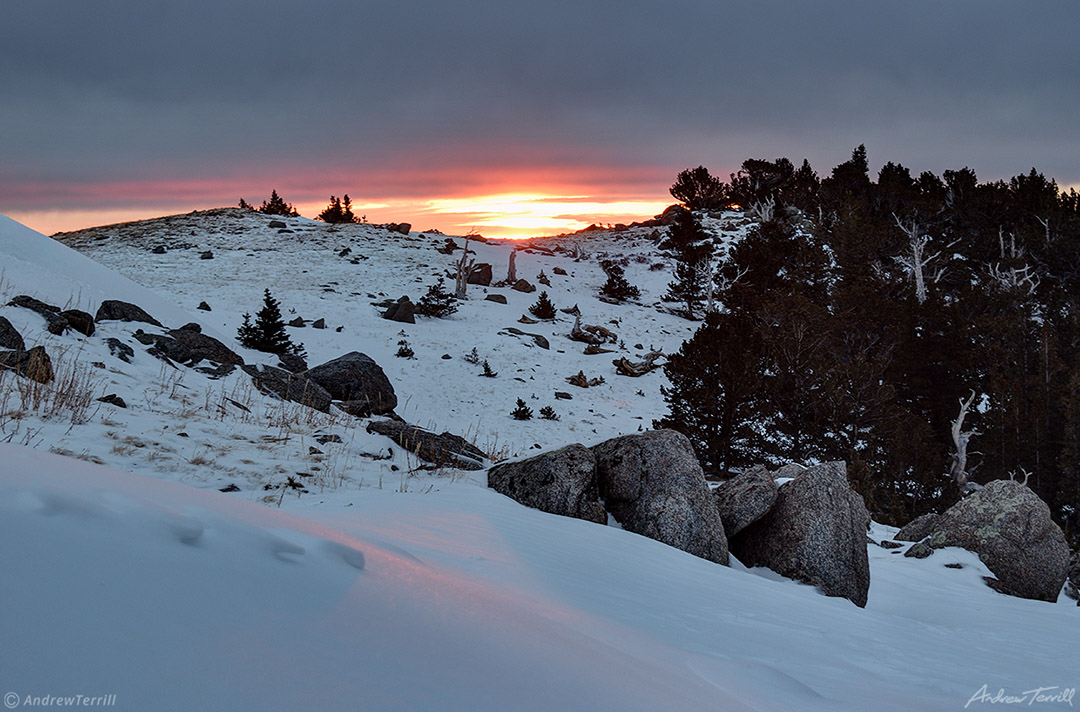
x,y
116,101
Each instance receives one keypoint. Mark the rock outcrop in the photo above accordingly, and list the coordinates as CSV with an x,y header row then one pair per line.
x,y
561,482
653,485
815,533
358,381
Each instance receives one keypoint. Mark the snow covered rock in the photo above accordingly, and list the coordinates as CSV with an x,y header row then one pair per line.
x,y
55,324
815,533
1011,530
443,450
560,482
653,485
10,338
745,498
114,309
358,381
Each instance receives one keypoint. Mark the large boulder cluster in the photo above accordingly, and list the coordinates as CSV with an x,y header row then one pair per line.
x,y
813,528
650,483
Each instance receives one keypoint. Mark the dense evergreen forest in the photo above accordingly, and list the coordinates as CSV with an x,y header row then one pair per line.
x,y
926,329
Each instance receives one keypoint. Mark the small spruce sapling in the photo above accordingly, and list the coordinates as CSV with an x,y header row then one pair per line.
x,y
404,350
488,373
522,411
472,357
548,413
437,302
543,308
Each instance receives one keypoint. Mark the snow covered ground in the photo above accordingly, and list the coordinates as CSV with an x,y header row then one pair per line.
x,y
384,586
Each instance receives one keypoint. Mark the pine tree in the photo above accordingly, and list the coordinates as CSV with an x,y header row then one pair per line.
x,y
268,332
697,189
692,248
338,211
277,206
616,286
331,213
543,308
437,302
714,376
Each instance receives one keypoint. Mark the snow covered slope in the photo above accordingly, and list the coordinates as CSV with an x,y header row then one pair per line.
x,y
379,585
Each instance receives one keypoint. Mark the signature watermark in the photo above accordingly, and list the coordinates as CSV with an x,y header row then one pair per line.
x,y
1039,695
13,700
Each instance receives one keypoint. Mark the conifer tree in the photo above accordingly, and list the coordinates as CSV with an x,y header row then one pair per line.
x,y
437,302
616,285
277,206
268,332
692,249
713,377
543,308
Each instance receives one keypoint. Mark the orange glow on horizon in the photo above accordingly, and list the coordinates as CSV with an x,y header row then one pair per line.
x,y
500,202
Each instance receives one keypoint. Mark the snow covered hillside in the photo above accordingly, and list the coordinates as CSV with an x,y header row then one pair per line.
x,y
338,575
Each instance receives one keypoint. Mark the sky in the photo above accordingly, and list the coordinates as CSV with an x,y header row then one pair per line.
x,y
509,117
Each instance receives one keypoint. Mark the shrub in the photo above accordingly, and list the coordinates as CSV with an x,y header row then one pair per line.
x,y
548,413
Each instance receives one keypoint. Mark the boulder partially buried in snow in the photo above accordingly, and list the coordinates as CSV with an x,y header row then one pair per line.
x,y
442,450
561,482
289,386
1011,530
745,498
815,533
653,485
114,309
356,379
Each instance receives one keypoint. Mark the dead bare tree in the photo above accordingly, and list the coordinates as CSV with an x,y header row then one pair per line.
x,y
958,470
917,261
764,209
1017,277
511,272
464,269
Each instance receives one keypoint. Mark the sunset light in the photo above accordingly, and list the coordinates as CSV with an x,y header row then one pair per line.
x,y
528,214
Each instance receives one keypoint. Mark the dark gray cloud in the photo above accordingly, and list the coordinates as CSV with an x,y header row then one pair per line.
x,y
123,92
